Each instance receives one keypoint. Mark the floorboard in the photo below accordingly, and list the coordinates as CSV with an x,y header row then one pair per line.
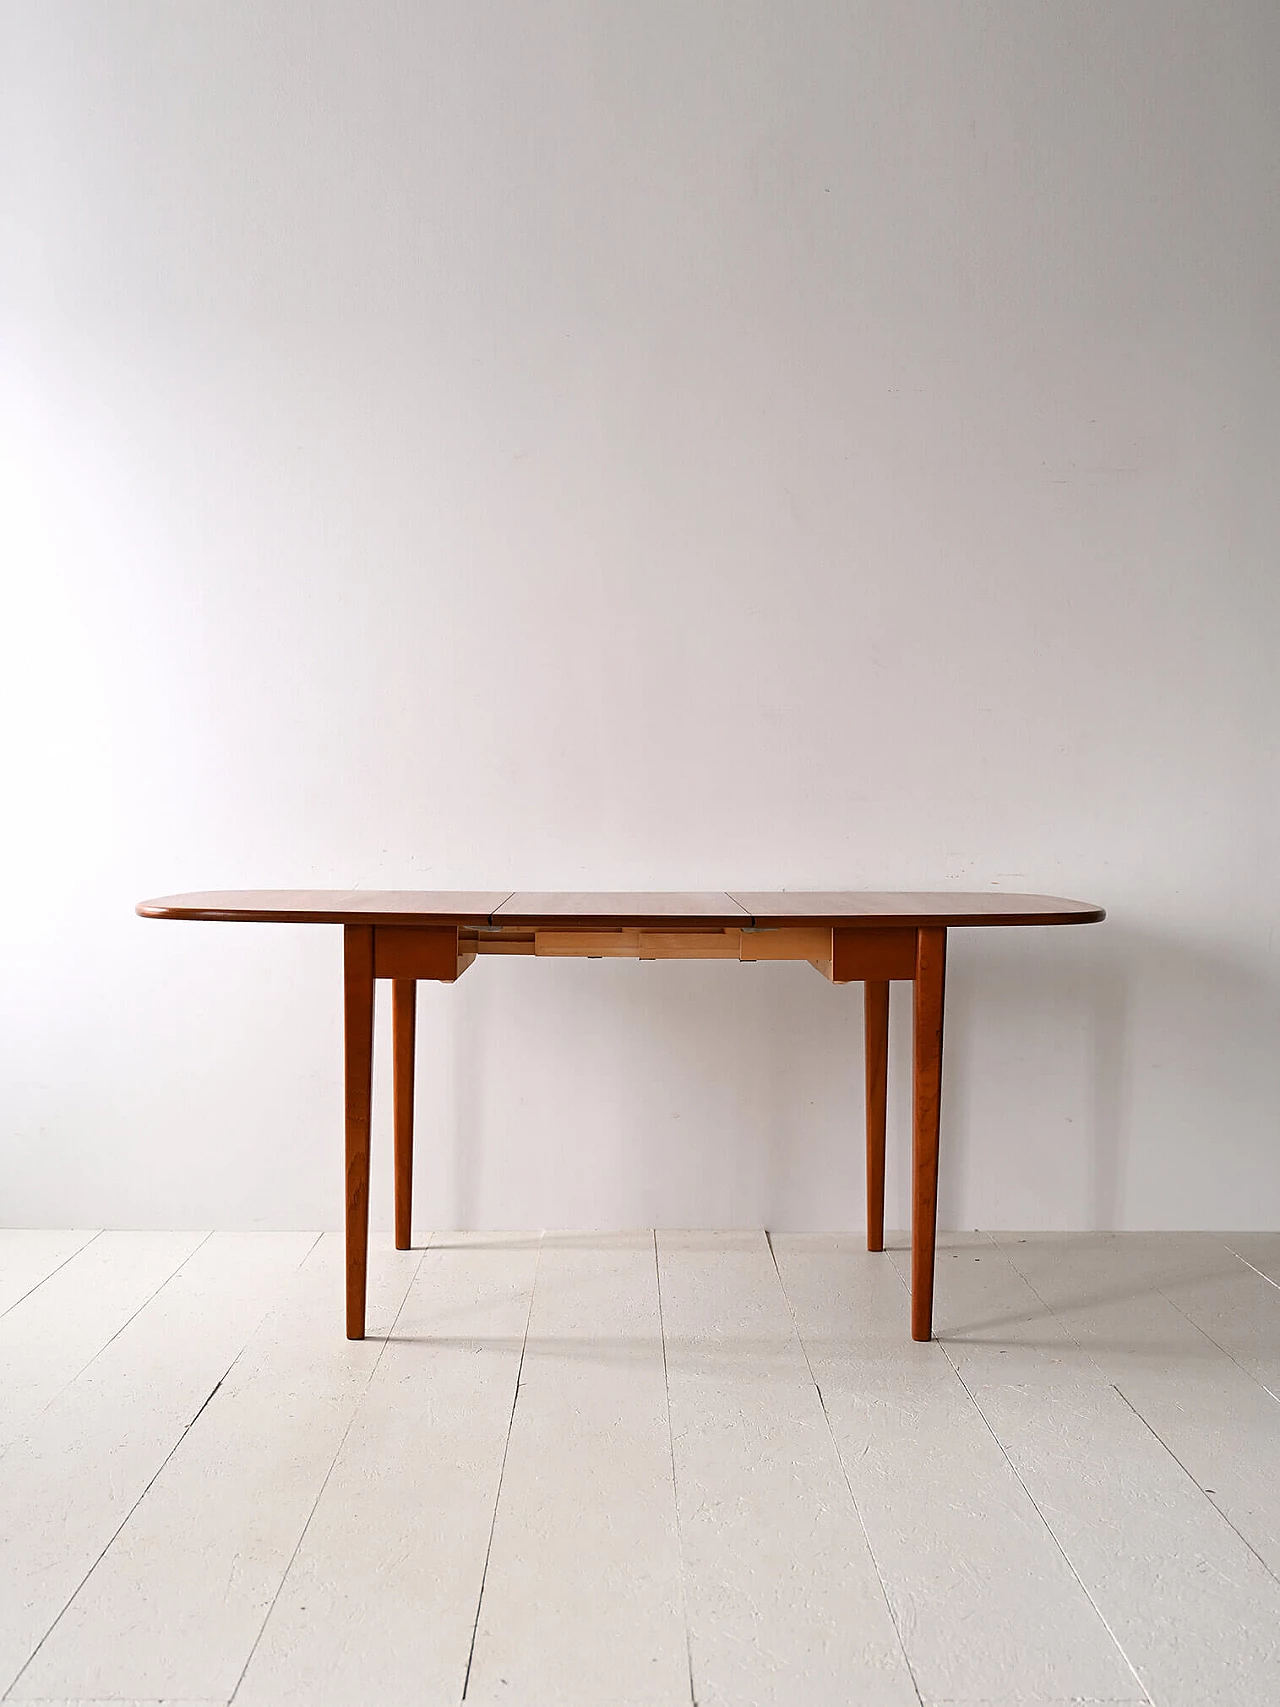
x,y
582,1599
67,1488
620,1469
1260,1250
1235,1306
1193,1609
61,1325
242,1484
1135,1304
784,1600
970,1567
380,1603
28,1256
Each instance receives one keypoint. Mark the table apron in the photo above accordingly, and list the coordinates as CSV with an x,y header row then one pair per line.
x,y
843,954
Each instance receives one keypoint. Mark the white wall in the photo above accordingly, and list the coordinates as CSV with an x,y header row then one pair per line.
x,y
654,445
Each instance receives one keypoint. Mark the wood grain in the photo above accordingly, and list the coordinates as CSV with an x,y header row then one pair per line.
x,y
929,991
931,907
328,906
404,1036
660,909
426,951
806,942
873,952
876,1030
586,908
358,1042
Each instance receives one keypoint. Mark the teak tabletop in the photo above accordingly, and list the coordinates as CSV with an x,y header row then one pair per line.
x,y
871,936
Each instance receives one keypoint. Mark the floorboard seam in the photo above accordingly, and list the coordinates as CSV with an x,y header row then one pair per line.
x,y
1261,1272
675,1485
822,1403
1083,1347
39,1283
1218,1346
1106,1624
502,1470
355,1412
1195,1482
151,1296
186,1429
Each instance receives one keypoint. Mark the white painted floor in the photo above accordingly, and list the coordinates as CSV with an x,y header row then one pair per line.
x,y
594,1469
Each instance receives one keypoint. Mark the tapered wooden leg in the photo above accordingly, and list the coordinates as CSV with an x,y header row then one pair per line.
x,y
876,1017
929,989
404,1010
358,1040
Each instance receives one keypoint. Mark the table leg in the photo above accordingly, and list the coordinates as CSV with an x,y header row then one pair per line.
x,y
876,1025
404,1009
358,1040
929,988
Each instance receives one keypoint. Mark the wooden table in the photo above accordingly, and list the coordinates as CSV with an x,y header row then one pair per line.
x,y
409,935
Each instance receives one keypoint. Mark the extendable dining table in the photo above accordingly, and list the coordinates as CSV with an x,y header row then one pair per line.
x,y
872,938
